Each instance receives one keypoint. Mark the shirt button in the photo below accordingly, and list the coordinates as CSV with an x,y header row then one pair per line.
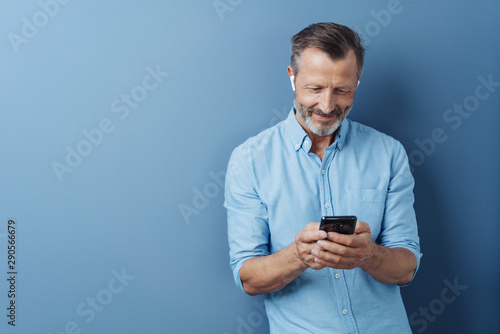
x,y
306,143
344,311
337,276
297,146
327,205
323,172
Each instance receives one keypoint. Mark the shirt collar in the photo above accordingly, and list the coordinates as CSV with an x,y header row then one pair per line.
x,y
300,138
297,133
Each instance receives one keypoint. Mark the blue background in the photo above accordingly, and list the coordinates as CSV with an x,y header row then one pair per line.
x,y
146,199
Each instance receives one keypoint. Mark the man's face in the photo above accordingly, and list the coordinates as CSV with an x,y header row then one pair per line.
x,y
324,90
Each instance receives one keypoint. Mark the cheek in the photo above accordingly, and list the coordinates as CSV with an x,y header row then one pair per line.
x,y
307,100
345,103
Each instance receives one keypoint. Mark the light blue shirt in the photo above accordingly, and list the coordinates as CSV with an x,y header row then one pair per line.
x,y
275,187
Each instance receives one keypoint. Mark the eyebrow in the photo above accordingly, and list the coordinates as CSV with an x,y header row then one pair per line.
x,y
310,84
315,85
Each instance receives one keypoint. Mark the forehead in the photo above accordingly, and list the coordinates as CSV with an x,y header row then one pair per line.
x,y
315,64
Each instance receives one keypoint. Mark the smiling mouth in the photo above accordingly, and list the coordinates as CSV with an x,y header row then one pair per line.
x,y
325,118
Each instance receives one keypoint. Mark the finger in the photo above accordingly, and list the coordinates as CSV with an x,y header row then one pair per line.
x,y
334,248
348,240
312,226
314,236
315,265
304,252
311,236
361,227
309,259
328,259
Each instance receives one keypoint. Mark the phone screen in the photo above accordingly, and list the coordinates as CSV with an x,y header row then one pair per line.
x,y
339,224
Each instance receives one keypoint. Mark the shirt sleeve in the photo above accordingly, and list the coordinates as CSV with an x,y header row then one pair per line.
x,y
247,219
399,227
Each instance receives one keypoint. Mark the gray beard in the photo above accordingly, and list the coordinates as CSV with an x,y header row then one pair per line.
x,y
306,117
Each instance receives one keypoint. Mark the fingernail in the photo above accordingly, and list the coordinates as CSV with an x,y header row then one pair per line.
x,y
321,243
314,252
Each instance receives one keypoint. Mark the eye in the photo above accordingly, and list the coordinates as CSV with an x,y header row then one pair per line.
x,y
343,92
315,89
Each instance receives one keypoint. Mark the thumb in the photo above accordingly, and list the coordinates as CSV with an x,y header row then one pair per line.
x,y
362,227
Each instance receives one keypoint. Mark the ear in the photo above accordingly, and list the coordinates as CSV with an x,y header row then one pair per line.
x,y
292,77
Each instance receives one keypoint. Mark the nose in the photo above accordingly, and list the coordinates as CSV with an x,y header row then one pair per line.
x,y
327,101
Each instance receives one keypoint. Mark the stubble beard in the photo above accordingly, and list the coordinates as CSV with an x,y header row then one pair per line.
x,y
323,129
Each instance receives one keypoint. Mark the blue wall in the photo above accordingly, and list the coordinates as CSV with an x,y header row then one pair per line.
x,y
118,119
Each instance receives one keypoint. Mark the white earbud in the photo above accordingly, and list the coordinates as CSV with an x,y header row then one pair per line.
x,y
358,84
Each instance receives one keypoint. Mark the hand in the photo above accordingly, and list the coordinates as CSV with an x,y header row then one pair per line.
x,y
305,242
343,251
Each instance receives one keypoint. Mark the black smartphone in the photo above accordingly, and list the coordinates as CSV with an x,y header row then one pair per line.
x,y
339,224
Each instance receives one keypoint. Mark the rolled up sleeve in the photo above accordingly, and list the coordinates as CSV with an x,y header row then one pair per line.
x,y
247,219
399,227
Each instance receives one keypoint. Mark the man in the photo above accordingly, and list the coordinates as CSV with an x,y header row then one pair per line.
x,y
317,163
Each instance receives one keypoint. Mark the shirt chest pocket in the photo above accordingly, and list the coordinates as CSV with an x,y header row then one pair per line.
x,y
368,205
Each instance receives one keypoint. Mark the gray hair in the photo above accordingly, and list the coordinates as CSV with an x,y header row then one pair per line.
x,y
334,39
